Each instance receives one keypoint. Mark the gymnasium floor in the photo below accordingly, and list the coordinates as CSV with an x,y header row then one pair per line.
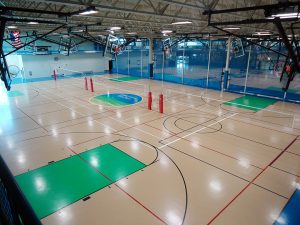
x,y
211,158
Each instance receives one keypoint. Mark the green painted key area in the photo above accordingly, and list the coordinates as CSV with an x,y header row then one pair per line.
x,y
251,102
112,162
64,182
124,79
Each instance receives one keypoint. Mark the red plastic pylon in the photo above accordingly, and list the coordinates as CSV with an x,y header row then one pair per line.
x,y
86,84
149,100
161,103
92,85
54,74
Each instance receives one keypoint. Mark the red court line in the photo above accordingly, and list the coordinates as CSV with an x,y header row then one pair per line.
x,y
270,164
129,195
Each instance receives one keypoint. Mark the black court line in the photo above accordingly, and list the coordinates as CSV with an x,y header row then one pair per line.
x,y
196,125
33,120
296,175
293,153
208,148
216,130
219,168
249,184
280,131
235,135
221,153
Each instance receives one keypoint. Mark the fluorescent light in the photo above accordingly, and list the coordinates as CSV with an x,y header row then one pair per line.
x,y
11,27
287,15
166,31
231,28
115,28
89,10
266,33
33,23
182,22
131,33
284,15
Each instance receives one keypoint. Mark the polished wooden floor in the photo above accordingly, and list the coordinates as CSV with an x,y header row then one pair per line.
x,y
206,162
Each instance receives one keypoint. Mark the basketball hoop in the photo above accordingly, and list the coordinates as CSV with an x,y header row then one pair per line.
x,y
277,69
167,50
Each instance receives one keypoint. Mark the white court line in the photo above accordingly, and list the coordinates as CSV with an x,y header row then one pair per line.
x,y
98,76
111,128
113,87
222,101
203,128
130,126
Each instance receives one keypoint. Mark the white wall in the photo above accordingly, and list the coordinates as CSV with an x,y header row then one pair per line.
x,y
43,65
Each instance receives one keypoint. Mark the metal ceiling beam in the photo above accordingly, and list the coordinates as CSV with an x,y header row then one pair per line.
x,y
30,42
244,9
15,9
252,42
118,9
248,21
287,43
29,20
186,5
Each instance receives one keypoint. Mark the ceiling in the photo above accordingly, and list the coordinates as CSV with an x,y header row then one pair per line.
x,y
145,17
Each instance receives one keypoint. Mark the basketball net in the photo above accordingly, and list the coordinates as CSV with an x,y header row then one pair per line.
x,y
167,51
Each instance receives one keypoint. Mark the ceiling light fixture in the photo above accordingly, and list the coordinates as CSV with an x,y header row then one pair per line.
x,y
286,15
264,33
115,28
88,11
32,23
231,28
11,27
181,23
131,33
166,31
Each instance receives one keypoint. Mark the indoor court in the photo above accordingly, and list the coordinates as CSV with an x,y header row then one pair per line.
x,y
196,126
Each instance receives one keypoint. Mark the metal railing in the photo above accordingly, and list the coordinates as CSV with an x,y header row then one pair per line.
x,y
14,207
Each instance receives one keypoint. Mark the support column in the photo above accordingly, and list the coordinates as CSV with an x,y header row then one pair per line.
x,y
183,56
226,74
3,64
208,64
151,57
247,72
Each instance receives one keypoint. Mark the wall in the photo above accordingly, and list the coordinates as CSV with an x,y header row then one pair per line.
x,y
43,65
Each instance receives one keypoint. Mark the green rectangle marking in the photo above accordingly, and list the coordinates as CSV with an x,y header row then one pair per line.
x,y
59,184
124,79
14,94
251,102
112,162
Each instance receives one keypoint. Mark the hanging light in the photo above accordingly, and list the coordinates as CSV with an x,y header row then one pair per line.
x,y
115,28
166,31
88,11
11,27
181,23
32,23
231,28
